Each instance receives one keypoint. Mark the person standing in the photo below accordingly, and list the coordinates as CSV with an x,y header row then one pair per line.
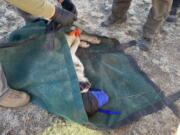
x,y
157,15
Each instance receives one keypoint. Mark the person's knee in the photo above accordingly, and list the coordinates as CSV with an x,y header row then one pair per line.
x,y
162,5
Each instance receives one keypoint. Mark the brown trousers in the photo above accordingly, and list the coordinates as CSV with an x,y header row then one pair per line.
x,y
157,14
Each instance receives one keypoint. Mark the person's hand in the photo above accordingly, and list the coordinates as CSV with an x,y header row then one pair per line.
x,y
68,5
64,17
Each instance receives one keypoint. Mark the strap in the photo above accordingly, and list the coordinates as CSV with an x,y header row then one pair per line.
x,y
169,102
51,27
109,111
17,43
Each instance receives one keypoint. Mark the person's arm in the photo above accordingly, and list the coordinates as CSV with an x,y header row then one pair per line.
x,y
45,9
41,8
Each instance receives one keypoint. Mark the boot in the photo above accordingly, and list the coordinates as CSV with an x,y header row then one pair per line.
x,y
171,18
111,20
173,15
145,43
119,12
13,98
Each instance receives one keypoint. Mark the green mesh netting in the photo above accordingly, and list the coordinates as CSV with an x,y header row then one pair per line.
x,y
49,77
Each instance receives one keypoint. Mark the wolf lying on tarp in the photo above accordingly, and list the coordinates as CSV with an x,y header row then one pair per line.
x,y
75,40
93,99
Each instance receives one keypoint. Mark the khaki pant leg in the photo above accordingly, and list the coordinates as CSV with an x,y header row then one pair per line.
x,y
120,7
3,83
157,15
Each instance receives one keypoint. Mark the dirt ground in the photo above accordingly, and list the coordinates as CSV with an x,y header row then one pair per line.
x,y
161,64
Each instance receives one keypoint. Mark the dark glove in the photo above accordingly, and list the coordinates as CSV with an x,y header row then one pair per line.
x,y
64,17
68,5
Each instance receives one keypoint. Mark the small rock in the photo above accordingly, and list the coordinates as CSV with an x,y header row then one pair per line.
x,y
165,69
155,61
22,132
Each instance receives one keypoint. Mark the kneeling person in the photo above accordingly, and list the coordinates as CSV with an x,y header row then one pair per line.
x,y
43,8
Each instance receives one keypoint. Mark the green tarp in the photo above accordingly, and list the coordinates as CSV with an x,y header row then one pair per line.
x,y
48,75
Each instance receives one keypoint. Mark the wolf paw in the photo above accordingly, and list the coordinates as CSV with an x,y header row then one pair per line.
x,y
84,44
95,40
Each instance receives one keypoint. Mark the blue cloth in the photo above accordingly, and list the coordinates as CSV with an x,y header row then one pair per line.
x,y
101,97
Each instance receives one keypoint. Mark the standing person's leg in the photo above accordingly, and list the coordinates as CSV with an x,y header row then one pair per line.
x,y
10,97
176,3
157,15
172,17
119,10
159,11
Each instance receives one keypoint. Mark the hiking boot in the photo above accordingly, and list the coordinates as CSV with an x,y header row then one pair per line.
x,y
145,43
171,18
111,20
173,14
13,98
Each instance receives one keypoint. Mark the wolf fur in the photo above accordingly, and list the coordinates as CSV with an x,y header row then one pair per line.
x,y
74,43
